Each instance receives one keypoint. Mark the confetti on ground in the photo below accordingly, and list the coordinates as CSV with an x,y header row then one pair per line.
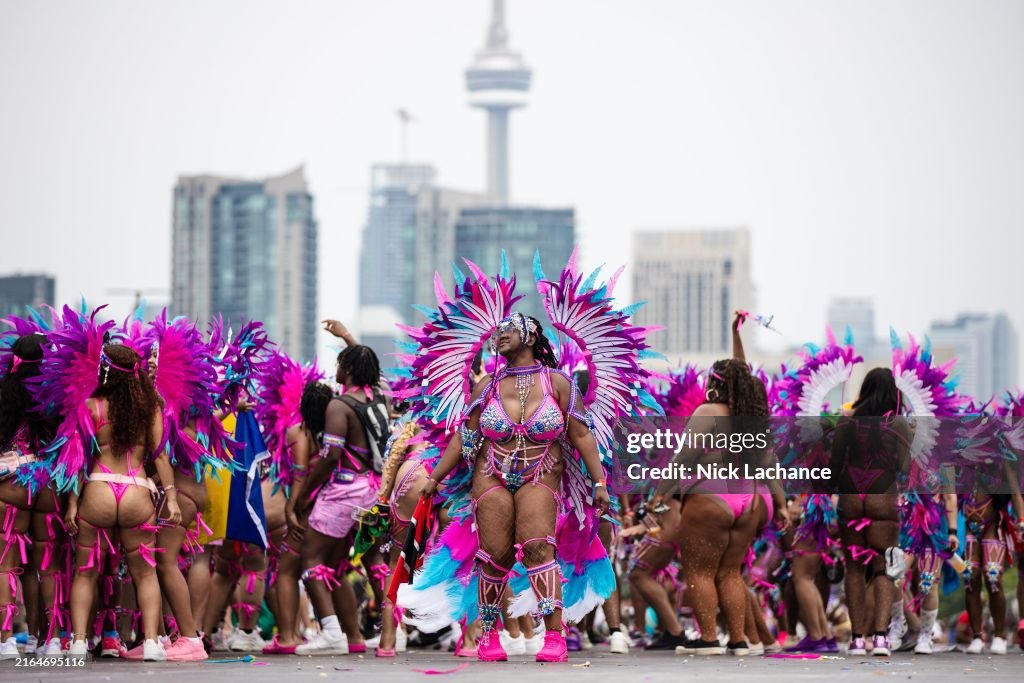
x,y
234,660
584,665
441,672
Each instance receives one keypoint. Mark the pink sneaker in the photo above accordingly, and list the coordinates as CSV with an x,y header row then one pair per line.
x,y
276,648
381,652
489,649
134,653
356,648
186,650
555,649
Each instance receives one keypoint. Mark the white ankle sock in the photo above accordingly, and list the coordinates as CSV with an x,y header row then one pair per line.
x,y
331,627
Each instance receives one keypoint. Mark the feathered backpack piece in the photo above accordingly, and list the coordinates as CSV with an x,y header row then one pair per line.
x,y
282,381
69,375
186,380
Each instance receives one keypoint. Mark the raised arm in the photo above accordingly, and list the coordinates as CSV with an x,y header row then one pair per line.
x,y
466,438
737,342
338,329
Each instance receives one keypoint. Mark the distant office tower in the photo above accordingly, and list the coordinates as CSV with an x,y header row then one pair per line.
x,y
482,232
856,314
387,262
692,281
19,291
247,249
498,82
437,213
986,348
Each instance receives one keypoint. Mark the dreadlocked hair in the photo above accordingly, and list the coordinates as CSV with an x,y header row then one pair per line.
x,y
131,398
542,350
16,403
396,457
361,365
313,408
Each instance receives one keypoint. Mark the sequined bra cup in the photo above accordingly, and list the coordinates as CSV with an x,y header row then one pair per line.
x,y
513,456
545,426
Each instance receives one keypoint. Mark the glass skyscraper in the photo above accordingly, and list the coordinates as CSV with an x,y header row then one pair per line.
x,y
19,291
482,232
247,250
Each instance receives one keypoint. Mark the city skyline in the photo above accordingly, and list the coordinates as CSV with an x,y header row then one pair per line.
x,y
862,168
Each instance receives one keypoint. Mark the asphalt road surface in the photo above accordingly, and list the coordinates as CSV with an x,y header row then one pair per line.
x,y
584,667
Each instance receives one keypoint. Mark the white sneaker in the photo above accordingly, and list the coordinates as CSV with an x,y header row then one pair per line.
x,y
533,645
585,641
9,649
247,641
31,645
153,651
78,650
618,644
401,639
323,644
756,649
924,644
220,642
52,649
998,646
897,629
975,647
513,646
373,643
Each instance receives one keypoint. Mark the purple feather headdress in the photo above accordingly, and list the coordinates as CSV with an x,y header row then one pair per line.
x,y
186,380
69,375
282,381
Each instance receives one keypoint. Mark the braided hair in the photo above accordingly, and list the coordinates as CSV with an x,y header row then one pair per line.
x,y
542,350
731,382
313,408
361,365
397,455
131,398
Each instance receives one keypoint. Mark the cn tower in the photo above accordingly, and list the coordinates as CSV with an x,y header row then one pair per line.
x,y
498,82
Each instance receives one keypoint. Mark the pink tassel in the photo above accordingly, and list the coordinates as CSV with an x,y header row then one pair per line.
x,y
149,553
250,583
322,572
11,609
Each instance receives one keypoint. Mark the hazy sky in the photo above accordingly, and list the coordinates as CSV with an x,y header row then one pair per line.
x,y
873,148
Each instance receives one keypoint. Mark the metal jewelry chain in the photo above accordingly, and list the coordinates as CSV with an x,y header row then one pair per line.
x,y
524,384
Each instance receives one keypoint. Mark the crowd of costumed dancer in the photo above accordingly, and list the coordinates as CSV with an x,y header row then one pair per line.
x,y
169,490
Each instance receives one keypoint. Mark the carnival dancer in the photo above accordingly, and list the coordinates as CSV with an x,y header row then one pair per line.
x,y
345,480
185,378
871,448
720,519
284,384
526,450
798,400
238,564
406,470
680,393
929,537
994,514
28,499
111,429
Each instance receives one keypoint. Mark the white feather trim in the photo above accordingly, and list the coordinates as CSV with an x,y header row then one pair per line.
x,y
427,609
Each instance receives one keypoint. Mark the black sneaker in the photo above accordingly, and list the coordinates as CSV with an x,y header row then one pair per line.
x,y
740,649
697,646
667,641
